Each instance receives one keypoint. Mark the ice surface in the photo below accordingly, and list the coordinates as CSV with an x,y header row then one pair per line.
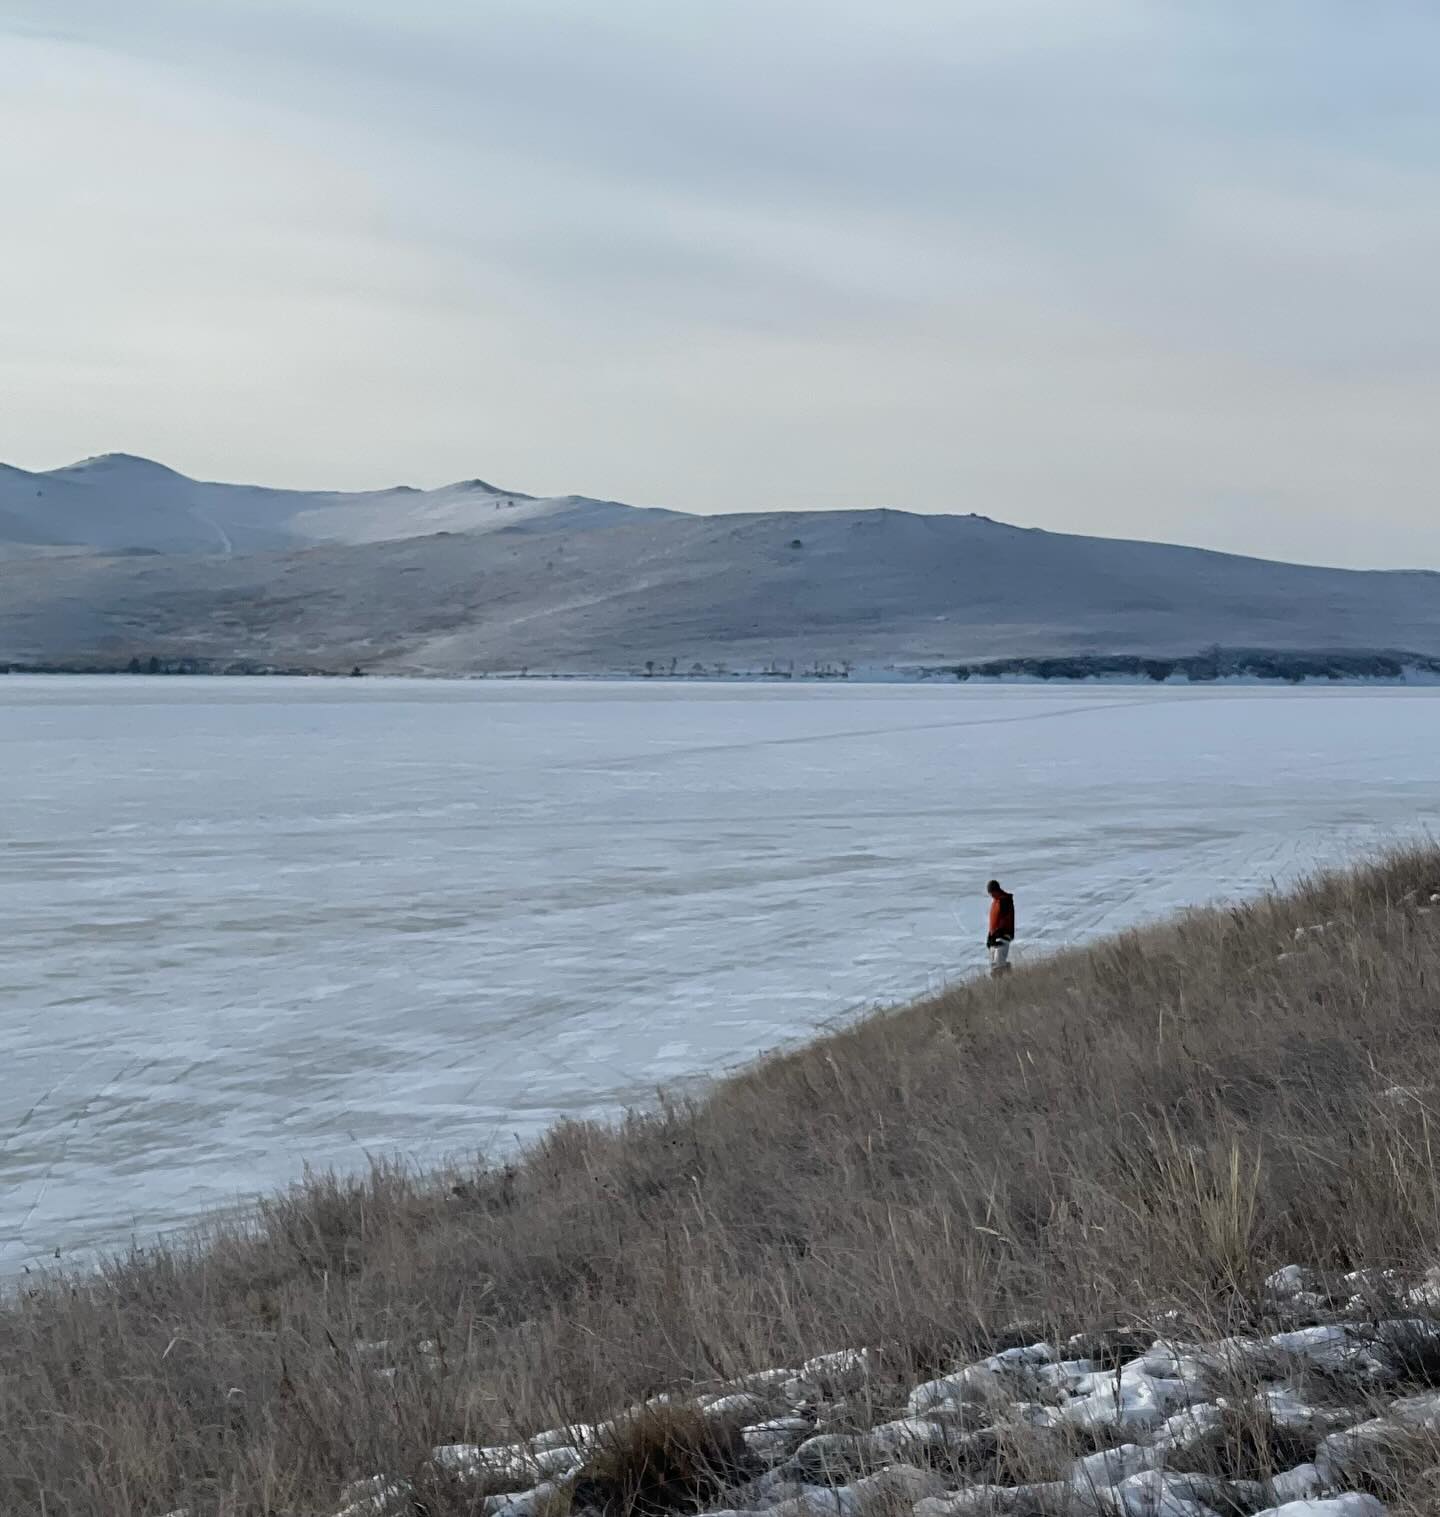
x,y
254,923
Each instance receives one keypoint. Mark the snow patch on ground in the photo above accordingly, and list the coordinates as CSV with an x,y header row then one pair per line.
x,y
934,1463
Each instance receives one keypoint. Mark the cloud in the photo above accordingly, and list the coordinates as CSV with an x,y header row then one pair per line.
x,y
1145,268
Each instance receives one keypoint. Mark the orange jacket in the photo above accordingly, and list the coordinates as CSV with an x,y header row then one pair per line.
x,y
1002,915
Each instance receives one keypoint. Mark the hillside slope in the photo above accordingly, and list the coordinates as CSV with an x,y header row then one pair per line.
x,y
1121,1142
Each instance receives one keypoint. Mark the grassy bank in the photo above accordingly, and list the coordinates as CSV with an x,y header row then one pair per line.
x,y
1146,1126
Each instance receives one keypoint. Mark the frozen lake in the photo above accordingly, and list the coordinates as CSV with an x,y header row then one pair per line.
x,y
251,923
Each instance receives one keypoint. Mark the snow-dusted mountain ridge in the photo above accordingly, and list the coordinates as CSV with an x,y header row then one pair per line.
x,y
120,503
118,559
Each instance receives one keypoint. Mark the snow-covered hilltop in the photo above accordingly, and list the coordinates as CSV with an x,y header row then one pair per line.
x,y
118,559
120,503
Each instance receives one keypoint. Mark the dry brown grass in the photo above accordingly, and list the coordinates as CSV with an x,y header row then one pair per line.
x,y
662,1459
1152,1123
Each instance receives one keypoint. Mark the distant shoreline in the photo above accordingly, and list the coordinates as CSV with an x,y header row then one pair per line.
x,y
1215,667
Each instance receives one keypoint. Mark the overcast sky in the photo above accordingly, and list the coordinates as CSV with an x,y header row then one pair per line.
x,y
1121,266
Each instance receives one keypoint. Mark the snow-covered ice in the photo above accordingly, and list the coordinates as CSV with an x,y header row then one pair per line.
x,y
252,923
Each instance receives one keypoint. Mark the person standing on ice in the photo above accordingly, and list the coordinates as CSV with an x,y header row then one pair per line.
x,y
1002,929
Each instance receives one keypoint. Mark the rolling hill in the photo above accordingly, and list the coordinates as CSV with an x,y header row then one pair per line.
x,y
118,559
